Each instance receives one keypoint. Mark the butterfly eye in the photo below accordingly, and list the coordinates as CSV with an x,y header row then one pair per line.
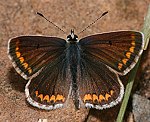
x,y
69,37
75,36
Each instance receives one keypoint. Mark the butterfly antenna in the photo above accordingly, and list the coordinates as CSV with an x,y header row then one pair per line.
x,y
51,22
94,22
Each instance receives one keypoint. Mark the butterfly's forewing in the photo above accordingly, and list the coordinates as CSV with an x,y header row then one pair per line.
x,y
50,89
119,50
31,53
99,87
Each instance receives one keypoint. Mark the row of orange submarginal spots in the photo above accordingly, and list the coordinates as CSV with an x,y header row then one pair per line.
x,y
48,98
21,59
128,54
99,98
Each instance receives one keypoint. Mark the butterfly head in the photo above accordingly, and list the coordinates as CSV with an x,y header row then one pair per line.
x,y
72,38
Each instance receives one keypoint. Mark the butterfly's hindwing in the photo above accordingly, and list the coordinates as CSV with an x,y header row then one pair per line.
x,y
99,87
51,88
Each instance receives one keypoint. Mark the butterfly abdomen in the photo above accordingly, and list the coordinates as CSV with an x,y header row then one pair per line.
x,y
73,60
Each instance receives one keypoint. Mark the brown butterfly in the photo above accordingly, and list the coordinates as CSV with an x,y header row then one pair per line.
x,y
86,70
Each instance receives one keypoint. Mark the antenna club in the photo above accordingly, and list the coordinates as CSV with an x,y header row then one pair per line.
x,y
105,13
39,14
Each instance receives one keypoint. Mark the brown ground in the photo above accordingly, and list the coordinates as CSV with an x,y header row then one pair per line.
x,y
17,17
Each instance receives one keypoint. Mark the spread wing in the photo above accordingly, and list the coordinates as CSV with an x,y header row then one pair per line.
x,y
99,87
31,53
118,50
103,57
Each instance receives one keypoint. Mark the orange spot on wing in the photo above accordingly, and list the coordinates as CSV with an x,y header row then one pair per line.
x,y
60,98
131,49
111,92
46,98
21,59
29,70
41,97
52,98
120,66
107,96
101,97
87,97
128,54
95,97
133,43
25,65
18,54
17,48
124,60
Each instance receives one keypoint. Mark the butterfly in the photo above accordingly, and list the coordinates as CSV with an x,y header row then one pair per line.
x,y
86,70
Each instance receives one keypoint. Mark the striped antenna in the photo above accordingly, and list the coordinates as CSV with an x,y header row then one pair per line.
x,y
40,14
93,22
